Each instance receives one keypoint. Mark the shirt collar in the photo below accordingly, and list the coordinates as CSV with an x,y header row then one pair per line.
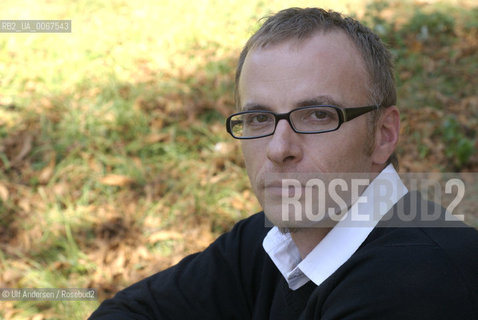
x,y
344,238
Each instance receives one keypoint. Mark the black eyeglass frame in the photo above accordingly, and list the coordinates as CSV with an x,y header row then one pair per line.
x,y
345,114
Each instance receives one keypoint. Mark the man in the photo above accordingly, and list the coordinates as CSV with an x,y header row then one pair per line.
x,y
315,94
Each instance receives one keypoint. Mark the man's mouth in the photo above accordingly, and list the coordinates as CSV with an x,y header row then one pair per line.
x,y
281,189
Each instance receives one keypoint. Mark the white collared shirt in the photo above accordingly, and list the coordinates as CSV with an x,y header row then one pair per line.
x,y
341,242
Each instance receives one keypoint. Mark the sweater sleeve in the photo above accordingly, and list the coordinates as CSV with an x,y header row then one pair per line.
x,y
206,285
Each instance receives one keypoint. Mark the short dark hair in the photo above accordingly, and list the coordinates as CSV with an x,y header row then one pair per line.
x,y
302,23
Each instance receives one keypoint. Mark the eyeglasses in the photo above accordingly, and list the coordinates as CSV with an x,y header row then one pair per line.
x,y
312,119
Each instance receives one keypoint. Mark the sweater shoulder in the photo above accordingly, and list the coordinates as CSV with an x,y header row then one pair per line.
x,y
247,233
216,283
407,273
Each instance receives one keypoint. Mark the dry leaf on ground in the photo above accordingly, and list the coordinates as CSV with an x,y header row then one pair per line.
x,y
116,180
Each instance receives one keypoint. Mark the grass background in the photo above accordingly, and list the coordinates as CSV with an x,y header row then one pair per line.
x,y
114,160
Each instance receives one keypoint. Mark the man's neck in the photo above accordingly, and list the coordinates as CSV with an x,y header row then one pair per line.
x,y
306,239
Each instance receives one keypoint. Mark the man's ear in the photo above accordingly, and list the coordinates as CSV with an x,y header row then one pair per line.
x,y
386,135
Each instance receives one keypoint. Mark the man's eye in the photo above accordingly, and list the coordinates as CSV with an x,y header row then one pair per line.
x,y
258,118
321,115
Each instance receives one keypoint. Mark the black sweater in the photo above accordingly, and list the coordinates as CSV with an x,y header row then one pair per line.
x,y
397,273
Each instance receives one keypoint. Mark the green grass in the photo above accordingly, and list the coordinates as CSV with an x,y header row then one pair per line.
x,y
141,92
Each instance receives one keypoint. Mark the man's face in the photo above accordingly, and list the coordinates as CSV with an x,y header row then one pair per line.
x,y
324,69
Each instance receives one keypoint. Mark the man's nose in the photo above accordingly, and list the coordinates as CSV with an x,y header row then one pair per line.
x,y
284,146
